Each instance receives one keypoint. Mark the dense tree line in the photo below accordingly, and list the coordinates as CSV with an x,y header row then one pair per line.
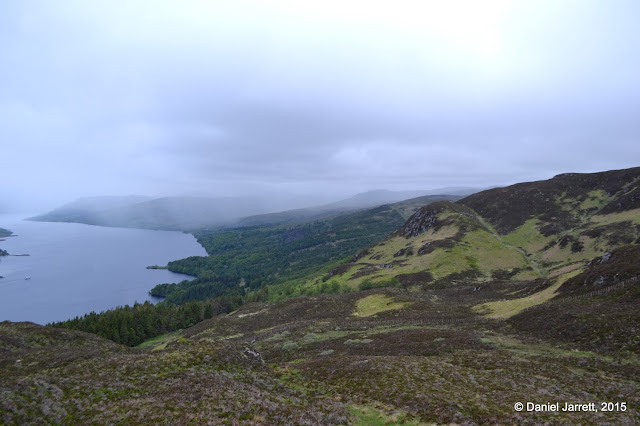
x,y
201,288
132,325
250,259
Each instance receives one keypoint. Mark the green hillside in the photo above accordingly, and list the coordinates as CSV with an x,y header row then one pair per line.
x,y
257,257
525,231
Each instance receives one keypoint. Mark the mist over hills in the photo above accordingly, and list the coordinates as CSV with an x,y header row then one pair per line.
x,y
359,201
190,213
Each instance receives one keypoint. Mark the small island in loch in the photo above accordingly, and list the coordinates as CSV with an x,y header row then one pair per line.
x,y
157,267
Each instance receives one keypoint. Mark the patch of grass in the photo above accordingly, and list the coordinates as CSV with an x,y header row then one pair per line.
x,y
159,342
357,341
566,256
528,237
289,345
376,303
628,215
482,248
504,309
277,336
597,199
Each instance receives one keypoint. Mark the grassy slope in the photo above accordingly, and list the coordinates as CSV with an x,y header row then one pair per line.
x,y
461,243
376,303
503,309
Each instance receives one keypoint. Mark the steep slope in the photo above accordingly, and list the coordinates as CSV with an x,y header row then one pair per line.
x,y
598,308
441,244
566,221
524,231
490,303
560,204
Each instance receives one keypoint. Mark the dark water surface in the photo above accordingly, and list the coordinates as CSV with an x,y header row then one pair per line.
x,y
77,268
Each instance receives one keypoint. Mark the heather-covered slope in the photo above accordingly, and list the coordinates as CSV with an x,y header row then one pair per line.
x,y
524,231
560,204
61,376
386,355
599,309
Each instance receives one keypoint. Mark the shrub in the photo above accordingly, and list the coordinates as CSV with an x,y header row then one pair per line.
x,y
289,345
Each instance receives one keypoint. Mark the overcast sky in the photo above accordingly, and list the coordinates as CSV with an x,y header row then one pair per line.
x,y
326,97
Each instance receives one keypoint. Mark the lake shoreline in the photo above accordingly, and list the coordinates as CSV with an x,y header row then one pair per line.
x,y
78,268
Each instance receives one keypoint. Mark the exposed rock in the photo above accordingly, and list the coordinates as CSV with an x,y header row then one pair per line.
x,y
252,354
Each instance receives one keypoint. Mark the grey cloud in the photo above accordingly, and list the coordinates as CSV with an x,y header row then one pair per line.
x,y
216,97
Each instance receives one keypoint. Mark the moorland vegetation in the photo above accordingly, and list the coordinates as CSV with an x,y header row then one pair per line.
x,y
441,313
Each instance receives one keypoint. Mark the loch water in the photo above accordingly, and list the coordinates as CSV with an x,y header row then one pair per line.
x,y
73,269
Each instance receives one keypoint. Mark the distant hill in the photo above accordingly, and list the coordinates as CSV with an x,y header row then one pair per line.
x,y
379,197
520,232
167,213
192,213
357,202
